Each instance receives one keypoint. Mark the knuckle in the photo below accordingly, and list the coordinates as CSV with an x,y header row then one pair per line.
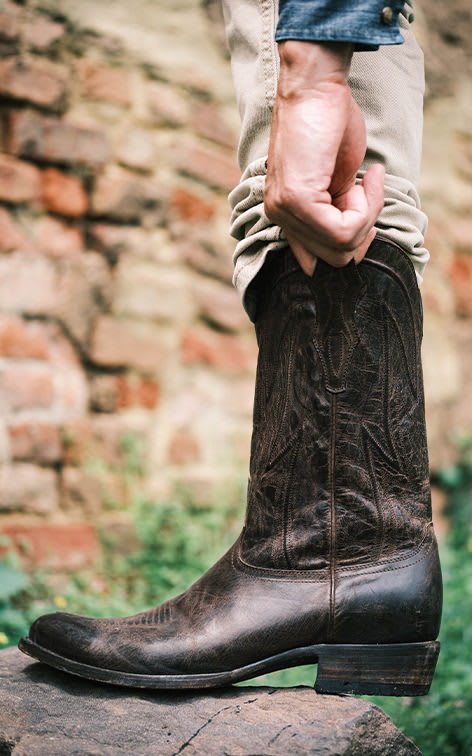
x,y
342,259
345,239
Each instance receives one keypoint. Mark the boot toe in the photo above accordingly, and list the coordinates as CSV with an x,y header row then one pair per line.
x,y
66,635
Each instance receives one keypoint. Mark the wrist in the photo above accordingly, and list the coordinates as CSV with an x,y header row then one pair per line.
x,y
310,65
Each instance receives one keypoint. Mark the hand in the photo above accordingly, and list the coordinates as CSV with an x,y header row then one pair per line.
x,y
317,145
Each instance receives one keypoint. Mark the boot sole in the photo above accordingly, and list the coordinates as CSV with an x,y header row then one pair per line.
x,y
396,669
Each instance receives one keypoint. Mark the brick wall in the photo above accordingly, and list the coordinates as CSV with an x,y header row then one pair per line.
x,y
117,316
118,322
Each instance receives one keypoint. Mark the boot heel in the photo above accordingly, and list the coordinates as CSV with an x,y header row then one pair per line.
x,y
395,669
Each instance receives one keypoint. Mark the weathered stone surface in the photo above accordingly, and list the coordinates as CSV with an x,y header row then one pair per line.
x,y
57,239
36,137
45,711
143,290
38,82
63,194
165,106
35,441
75,291
123,196
12,235
40,33
28,489
209,165
104,82
19,181
137,150
218,350
117,343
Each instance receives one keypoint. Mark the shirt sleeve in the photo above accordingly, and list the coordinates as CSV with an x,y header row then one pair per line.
x,y
365,23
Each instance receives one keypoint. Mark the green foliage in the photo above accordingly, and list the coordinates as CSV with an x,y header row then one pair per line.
x,y
174,542
12,619
441,723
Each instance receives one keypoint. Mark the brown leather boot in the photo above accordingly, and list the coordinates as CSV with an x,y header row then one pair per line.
x,y
337,562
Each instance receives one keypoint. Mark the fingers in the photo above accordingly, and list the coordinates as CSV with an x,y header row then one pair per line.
x,y
305,259
339,232
361,251
373,184
345,223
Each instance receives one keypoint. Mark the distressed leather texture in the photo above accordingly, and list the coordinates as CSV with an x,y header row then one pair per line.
x,y
339,465
338,545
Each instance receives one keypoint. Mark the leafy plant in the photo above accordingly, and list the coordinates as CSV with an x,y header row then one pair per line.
x,y
11,619
441,723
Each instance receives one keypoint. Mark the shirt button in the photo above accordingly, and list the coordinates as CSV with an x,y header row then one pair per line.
x,y
386,16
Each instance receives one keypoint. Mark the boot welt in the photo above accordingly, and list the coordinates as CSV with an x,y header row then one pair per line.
x,y
395,669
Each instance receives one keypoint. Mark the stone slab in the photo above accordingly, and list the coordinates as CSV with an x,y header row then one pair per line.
x,y
44,712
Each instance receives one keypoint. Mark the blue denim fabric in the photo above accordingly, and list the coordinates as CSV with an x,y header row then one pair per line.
x,y
356,21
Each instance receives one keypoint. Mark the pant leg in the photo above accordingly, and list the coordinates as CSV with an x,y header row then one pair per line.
x,y
388,85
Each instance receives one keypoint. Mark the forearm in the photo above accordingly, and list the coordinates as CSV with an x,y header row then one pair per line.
x,y
303,65
316,147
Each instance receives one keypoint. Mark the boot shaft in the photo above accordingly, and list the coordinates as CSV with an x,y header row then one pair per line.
x,y
339,466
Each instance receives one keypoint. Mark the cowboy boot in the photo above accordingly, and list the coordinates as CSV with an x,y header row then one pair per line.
x,y
337,562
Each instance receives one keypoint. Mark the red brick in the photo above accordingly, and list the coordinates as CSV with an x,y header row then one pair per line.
x,y
19,181
80,492
63,194
38,82
460,273
84,292
102,82
461,233
97,437
193,80
35,442
85,491
73,290
62,545
12,236
123,196
58,239
165,105
150,292
117,343
191,208
9,26
183,448
28,489
37,137
27,387
22,339
133,391
210,166
148,393
138,150
40,32
218,350
113,240
220,306
27,284
35,339
103,393
203,259
209,123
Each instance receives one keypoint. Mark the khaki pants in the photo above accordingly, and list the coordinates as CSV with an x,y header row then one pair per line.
x,y
388,85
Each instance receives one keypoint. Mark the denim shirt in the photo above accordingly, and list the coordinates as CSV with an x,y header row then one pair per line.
x,y
366,23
